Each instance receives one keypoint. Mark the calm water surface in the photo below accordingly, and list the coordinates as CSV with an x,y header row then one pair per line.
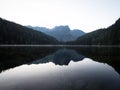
x,y
62,69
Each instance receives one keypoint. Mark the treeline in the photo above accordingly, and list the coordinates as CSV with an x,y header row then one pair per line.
x,y
12,33
108,36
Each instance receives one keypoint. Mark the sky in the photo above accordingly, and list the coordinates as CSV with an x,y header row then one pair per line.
x,y
86,15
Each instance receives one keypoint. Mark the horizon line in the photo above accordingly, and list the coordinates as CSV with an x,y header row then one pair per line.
x,y
51,45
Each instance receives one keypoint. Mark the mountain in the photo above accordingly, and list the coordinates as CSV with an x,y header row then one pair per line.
x,y
12,33
77,33
61,33
106,36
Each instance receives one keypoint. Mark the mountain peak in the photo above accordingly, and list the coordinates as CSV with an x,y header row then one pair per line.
x,y
62,28
61,33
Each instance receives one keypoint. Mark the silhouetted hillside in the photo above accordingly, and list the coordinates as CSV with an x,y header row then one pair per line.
x,y
12,33
108,36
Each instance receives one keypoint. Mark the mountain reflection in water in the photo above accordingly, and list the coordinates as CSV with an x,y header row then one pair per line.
x,y
61,57
72,68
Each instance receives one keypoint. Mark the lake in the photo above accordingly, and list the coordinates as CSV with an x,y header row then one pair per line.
x,y
59,68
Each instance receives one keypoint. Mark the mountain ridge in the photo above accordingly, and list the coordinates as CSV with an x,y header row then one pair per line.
x,y
105,36
61,33
13,33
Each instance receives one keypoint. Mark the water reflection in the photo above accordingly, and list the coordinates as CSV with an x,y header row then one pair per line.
x,y
53,68
14,56
61,57
109,55
83,75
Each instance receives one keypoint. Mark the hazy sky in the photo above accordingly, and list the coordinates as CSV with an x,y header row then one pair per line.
x,y
87,15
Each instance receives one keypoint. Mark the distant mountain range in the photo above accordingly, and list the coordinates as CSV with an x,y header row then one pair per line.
x,y
61,33
12,33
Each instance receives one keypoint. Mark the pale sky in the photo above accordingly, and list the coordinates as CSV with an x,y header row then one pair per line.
x,y
86,15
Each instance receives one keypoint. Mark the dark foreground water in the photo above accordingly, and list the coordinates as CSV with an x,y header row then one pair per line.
x,y
59,68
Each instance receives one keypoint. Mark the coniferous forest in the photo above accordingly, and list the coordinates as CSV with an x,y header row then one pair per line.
x,y
12,33
107,36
